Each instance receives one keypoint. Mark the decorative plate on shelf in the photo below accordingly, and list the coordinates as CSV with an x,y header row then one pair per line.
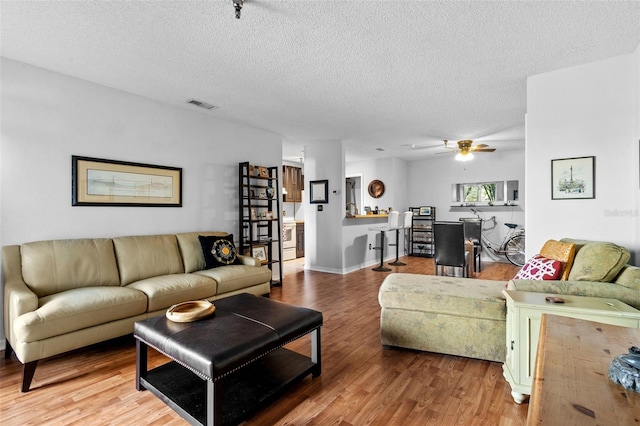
x,y
376,188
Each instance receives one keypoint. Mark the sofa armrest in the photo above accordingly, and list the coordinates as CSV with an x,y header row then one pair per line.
x,y
248,260
18,298
579,288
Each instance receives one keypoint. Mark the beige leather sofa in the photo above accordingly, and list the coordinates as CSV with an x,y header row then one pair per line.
x,y
467,317
61,295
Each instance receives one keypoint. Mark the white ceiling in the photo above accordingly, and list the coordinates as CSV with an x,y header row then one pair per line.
x,y
378,74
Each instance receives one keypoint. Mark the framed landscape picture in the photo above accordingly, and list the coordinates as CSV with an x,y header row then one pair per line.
x,y
100,182
573,178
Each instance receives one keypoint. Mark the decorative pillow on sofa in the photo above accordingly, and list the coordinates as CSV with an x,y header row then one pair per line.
x,y
218,251
562,251
540,268
598,261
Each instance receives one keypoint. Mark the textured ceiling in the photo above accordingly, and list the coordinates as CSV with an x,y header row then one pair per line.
x,y
378,74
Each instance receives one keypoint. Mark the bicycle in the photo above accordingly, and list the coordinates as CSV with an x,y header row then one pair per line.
x,y
512,247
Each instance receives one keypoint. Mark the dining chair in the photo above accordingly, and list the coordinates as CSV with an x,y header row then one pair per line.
x,y
450,248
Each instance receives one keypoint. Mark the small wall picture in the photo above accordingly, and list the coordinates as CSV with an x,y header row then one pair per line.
x,y
573,178
425,211
260,252
319,193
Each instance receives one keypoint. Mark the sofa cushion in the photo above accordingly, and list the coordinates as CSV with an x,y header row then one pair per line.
x,y
236,277
629,277
218,251
565,252
540,268
146,256
167,290
456,296
598,261
50,267
76,309
191,249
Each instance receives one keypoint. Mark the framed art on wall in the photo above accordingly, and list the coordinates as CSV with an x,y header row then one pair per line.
x,y
573,178
100,182
319,191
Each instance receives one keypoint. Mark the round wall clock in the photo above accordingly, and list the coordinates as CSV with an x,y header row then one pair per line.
x,y
376,188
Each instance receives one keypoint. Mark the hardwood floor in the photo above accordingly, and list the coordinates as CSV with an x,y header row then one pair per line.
x,y
361,383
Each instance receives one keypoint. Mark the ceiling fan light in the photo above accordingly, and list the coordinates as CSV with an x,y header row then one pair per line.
x,y
464,156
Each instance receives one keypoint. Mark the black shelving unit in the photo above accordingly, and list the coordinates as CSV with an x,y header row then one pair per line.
x,y
259,215
421,232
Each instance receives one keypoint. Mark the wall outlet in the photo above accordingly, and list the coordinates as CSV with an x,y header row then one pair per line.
x,y
369,246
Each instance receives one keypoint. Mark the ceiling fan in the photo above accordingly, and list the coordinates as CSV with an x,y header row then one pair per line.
x,y
466,149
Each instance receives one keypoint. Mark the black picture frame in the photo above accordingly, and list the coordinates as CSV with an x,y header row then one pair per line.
x,y
112,183
319,191
573,178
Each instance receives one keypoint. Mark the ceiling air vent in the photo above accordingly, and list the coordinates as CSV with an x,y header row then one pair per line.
x,y
201,104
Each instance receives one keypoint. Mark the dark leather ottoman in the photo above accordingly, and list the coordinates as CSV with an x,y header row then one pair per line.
x,y
228,365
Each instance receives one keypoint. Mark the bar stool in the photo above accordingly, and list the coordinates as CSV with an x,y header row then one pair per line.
x,y
392,223
404,223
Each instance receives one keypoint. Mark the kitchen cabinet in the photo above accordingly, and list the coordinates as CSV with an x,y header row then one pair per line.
x,y
293,184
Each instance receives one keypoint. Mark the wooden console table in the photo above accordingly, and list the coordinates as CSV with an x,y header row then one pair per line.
x,y
571,384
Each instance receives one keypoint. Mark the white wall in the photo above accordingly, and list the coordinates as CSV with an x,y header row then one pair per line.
x,y
48,117
429,183
322,230
588,110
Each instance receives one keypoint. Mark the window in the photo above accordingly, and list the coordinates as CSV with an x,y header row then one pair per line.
x,y
479,193
485,193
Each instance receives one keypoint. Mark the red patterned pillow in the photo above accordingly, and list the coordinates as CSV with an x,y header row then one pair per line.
x,y
540,268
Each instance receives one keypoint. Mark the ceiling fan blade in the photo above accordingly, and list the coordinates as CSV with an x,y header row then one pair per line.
x,y
484,150
480,145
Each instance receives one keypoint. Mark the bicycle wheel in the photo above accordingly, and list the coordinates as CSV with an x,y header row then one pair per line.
x,y
514,250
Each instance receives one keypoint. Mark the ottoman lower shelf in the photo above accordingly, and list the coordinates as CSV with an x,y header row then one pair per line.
x,y
245,391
